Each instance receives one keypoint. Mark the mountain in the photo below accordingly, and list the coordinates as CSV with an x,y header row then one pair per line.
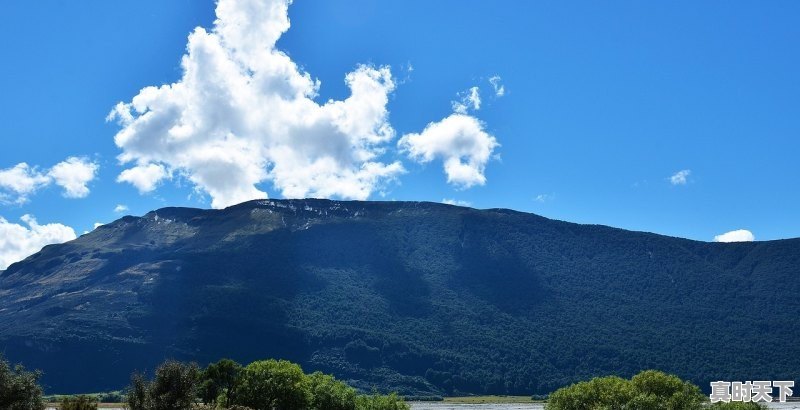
x,y
418,297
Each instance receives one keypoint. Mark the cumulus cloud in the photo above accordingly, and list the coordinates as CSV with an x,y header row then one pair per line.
x,y
243,113
21,181
499,88
144,177
462,144
19,241
739,235
73,175
680,177
468,100
120,208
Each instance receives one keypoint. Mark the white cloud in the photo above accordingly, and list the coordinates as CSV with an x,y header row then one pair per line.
x,y
499,89
21,181
460,141
680,177
468,100
144,177
740,235
73,175
456,202
542,198
120,208
20,241
244,113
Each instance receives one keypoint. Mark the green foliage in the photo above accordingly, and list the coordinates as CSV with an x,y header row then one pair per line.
x,y
217,381
648,390
610,392
19,389
438,300
272,384
81,402
139,393
111,397
327,393
381,402
173,388
670,391
738,406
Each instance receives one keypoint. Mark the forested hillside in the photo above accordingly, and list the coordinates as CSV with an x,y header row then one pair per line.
x,y
418,297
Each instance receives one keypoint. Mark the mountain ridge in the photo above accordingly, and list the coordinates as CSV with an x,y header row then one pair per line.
x,y
421,297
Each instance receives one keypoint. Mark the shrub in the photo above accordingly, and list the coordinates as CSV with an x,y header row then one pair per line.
x,y
112,397
670,392
19,389
327,393
272,384
78,403
601,392
381,402
738,406
648,390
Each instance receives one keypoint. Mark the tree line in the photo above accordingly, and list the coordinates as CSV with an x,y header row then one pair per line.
x,y
224,385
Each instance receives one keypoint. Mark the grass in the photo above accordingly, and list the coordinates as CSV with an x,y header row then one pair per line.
x,y
489,399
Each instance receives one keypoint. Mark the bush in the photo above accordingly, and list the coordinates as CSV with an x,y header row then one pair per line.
x,y
601,392
174,388
670,391
78,403
381,402
738,406
19,389
327,393
272,384
650,390
112,397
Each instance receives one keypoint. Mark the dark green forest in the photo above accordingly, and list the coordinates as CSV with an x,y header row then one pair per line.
x,y
421,298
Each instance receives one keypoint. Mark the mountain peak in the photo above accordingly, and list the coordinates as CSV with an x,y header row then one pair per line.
x,y
421,297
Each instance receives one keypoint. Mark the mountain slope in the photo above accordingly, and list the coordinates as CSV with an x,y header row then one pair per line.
x,y
419,297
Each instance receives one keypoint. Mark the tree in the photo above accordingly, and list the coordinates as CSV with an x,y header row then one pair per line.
x,y
327,393
175,385
610,392
174,388
19,389
218,380
272,384
670,392
648,390
139,393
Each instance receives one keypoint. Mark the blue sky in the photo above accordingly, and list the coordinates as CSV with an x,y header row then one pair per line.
x,y
602,105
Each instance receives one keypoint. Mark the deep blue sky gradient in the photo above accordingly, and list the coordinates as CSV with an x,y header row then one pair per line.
x,y
604,100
